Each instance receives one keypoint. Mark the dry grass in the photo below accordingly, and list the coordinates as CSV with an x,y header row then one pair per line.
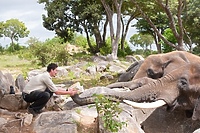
x,y
14,65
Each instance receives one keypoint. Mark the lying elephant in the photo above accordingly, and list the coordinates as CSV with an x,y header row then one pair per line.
x,y
158,65
178,89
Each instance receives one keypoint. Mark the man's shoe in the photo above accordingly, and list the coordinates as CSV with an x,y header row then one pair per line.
x,y
34,113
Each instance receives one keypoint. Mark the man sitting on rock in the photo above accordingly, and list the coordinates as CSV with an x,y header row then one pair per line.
x,y
40,88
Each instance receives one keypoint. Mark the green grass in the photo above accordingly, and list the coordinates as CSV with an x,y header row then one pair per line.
x,y
14,65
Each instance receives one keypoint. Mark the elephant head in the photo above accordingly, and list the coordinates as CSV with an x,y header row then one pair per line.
x,y
178,89
157,65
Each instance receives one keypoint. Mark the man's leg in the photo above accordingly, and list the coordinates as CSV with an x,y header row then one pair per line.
x,y
38,99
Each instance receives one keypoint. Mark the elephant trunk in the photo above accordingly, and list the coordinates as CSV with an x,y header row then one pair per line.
x,y
156,90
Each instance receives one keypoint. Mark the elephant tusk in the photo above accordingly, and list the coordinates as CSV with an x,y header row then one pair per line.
x,y
155,104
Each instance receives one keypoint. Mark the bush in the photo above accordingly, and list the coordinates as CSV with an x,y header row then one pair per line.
x,y
109,110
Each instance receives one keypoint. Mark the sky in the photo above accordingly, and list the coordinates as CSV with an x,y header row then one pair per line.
x,y
30,13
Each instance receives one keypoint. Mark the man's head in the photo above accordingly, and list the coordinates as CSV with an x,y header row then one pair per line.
x,y
52,69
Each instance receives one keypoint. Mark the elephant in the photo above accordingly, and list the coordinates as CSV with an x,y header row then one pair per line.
x,y
179,89
158,65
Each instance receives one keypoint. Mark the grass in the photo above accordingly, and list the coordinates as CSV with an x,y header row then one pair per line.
x,y
14,65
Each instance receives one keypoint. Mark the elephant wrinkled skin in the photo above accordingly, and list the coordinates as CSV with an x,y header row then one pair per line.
x,y
179,87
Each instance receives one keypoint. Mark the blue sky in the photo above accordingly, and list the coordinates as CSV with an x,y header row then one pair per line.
x,y
30,13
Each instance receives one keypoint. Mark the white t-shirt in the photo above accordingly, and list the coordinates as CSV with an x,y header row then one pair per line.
x,y
40,82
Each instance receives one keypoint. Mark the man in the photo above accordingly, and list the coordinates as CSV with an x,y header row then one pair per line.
x,y
40,88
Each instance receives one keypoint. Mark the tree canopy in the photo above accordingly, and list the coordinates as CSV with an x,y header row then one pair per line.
x,y
13,29
153,18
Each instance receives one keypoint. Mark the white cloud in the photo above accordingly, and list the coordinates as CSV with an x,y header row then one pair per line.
x,y
30,13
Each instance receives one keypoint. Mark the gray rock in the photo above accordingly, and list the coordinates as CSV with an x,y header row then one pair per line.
x,y
91,70
20,82
4,85
55,122
12,102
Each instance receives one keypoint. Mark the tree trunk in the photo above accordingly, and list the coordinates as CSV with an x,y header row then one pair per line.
x,y
114,37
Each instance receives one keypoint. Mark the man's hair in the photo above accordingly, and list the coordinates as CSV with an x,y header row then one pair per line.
x,y
51,66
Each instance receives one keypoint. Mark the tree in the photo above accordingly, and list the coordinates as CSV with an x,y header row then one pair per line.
x,y
1,29
111,7
142,40
159,20
69,16
129,13
170,37
173,11
58,18
192,23
14,29
91,16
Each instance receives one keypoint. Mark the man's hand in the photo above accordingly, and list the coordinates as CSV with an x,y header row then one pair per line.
x,y
72,92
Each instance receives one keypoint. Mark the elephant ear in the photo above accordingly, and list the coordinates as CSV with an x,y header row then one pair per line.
x,y
196,112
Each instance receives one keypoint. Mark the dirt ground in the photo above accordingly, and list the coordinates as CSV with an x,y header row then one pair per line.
x,y
14,124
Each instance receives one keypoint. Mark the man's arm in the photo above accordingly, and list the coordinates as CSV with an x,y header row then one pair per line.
x,y
61,91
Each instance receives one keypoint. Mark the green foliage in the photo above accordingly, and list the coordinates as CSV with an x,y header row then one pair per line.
x,y
192,20
170,37
144,53
62,55
1,49
71,75
15,47
107,49
80,41
142,40
52,50
57,18
196,50
14,29
126,51
1,29
108,111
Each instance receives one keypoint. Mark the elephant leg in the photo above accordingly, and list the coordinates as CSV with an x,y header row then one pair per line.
x,y
196,112
130,72
131,84
140,82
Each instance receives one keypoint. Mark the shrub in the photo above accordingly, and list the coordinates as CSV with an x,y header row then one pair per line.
x,y
109,110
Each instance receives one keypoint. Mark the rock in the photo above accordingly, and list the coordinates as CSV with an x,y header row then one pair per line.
x,y
55,122
91,70
4,85
28,119
20,82
116,69
2,121
12,102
